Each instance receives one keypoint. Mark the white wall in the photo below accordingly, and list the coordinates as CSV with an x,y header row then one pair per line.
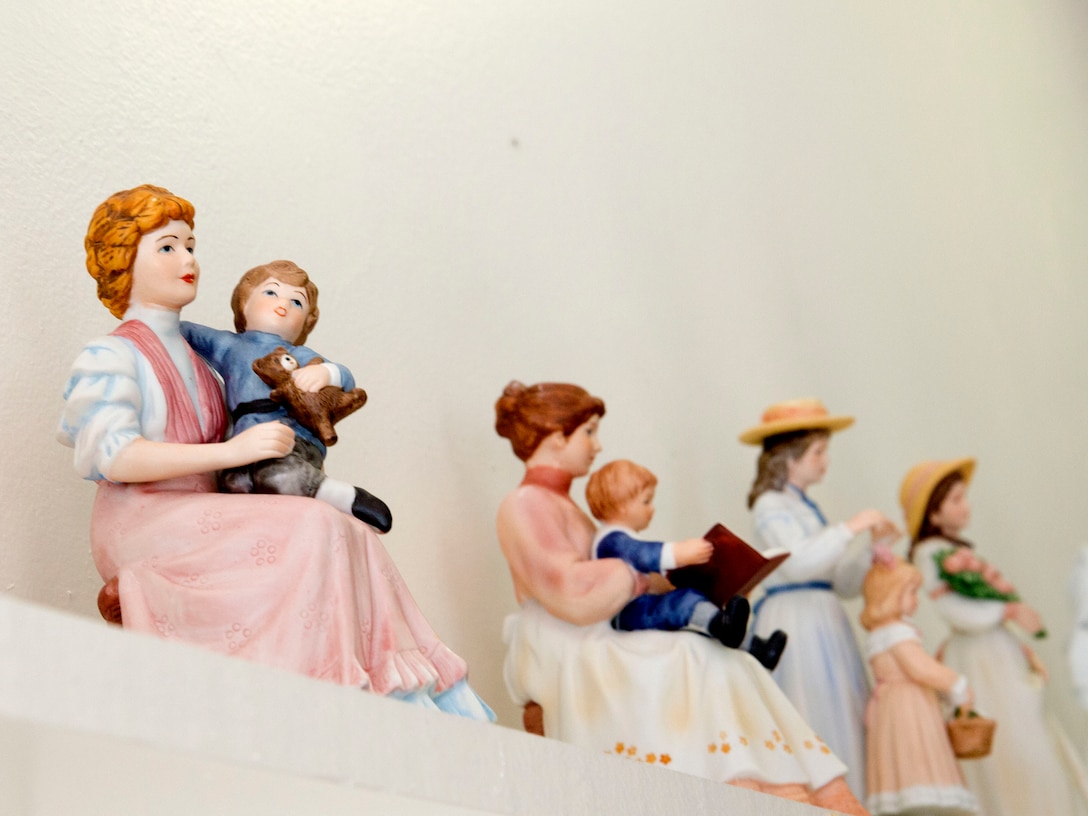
x,y
691,209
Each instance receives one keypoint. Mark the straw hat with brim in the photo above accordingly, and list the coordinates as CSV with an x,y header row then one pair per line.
x,y
794,415
919,483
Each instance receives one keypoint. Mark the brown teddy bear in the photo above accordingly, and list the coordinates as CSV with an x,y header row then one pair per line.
x,y
319,410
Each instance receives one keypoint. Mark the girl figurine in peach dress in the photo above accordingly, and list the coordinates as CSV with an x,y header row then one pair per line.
x,y
287,581
675,699
1024,772
910,767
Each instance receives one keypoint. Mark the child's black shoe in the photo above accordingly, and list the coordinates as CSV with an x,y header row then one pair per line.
x,y
730,625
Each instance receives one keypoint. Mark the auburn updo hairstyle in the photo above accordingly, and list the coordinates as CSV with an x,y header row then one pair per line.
x,y
527,414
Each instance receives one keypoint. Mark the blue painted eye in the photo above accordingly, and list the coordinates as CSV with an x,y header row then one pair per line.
x,y
296,303
166,249
270,292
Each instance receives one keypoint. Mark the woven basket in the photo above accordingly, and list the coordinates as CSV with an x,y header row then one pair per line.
x,y
971,736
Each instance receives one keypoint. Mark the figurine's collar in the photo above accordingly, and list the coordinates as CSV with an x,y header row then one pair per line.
x,y
555,479
803,496
163,322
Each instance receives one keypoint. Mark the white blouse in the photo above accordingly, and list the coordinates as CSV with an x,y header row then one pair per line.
x,y
817,552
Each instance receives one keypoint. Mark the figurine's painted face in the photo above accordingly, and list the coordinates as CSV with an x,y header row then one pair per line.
x,y
165,272
277,308
952,517
810,467
638,511
578,450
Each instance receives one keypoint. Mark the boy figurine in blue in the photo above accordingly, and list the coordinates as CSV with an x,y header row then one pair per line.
x,y
621,496
275,306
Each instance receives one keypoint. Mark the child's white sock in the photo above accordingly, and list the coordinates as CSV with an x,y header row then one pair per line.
x,y
700,618
339,494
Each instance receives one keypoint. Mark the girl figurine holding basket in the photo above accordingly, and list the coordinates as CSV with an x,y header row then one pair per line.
x,y
910,766
1024,772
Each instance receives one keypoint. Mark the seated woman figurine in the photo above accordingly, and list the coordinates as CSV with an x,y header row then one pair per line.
x,y
671,698
287,581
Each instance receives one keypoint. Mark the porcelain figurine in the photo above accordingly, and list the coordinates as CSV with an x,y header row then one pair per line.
x,y
275,309
286,581
621,496
822,672
1024,772
675,699
910,767
1078,643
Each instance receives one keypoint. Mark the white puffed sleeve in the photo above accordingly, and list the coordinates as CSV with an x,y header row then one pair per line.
x,y
961,613
106,406
815,550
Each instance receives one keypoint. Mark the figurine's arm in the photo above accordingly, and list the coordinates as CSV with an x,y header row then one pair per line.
x,y
145,461
926,671
211,344
314,378
105,413
812,557
103,404
548,567
851,568
644,556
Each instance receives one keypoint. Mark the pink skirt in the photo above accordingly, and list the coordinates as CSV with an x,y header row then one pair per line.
x,y
285,581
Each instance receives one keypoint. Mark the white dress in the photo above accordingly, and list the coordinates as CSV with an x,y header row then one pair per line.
x,y
821,670
1024,773
674,699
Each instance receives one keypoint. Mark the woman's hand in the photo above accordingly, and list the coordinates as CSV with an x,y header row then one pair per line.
x,y
692,551
869,520
145,461
1024,616
269,440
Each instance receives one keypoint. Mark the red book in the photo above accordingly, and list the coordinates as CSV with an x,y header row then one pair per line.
x,y
735,568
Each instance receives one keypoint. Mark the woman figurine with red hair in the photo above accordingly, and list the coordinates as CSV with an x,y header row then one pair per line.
x,y
669,698
287,581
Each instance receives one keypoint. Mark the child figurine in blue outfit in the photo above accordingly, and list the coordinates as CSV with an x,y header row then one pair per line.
x,y
275,305
621,496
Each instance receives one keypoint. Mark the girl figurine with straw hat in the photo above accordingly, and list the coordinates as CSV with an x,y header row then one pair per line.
x,y
1024,772
822,672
